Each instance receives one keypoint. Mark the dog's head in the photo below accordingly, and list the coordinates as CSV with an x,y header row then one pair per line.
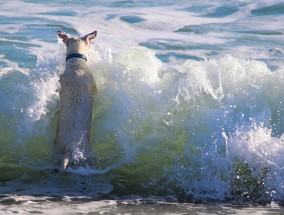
x,y
76,44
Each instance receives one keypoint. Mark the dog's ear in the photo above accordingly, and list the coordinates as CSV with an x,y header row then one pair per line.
x,y
89,37
63,36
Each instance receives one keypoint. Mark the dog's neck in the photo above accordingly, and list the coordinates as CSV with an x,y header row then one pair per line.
x,y
75,62
76,55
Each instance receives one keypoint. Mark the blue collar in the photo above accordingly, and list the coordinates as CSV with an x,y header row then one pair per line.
x,y
77,56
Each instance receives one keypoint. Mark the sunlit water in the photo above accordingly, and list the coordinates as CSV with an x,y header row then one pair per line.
x,y
190,104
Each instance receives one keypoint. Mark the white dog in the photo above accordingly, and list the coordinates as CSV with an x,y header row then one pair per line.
x,y
72,143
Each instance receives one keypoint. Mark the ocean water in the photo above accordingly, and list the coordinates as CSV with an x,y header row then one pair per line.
x,y
190,107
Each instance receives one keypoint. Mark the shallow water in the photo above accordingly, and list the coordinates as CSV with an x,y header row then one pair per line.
x,y
190,101
86,205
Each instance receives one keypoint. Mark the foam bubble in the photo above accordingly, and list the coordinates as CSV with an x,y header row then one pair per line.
x,y
11,66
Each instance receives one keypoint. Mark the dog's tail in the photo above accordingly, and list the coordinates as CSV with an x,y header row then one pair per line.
x,y
67,159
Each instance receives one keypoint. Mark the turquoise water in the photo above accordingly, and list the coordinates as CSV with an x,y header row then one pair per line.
x,y
190,101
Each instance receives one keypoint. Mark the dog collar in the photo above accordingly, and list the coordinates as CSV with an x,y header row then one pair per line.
x,y
77,56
